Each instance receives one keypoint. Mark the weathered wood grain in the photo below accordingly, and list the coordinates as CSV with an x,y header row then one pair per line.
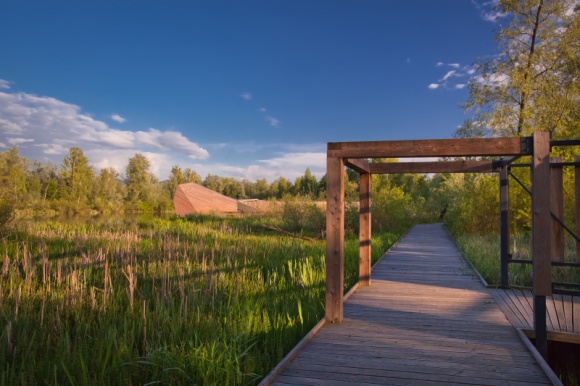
x,y
426,320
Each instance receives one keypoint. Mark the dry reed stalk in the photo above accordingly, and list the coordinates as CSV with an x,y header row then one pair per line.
x,y
5,265
106,288
132,278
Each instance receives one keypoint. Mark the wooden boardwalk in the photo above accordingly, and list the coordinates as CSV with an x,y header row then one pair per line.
x,y
425,320
562,313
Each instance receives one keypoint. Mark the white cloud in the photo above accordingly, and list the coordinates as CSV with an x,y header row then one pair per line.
x,y
448,75
454,65
45,128
488,10
19,141
272,121
246,96
460,86
433,86
262,109
439,64
4,84
118,118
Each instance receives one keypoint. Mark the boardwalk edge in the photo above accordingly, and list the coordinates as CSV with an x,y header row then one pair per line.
x,y
541,361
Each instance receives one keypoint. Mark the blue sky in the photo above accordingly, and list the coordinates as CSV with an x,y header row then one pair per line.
x,y
241,88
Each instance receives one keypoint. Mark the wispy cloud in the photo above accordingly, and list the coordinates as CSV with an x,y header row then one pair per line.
x,y
246,96
272,121
450,80
4,84
46,128
118,118
489,10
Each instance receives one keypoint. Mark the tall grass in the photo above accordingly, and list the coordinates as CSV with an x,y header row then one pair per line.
x,y
198,301
484,254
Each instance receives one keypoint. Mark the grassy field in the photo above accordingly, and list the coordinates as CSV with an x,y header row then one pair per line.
x,y
198,301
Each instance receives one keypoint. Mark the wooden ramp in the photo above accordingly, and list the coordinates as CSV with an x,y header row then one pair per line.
x,y
562,313
426,320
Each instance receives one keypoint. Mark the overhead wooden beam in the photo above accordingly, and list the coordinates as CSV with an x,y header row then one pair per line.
x,y
365,230
433,167
334,239
358,165
462,147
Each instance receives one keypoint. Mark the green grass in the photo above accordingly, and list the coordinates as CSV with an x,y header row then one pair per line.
x,y
484,254
199,301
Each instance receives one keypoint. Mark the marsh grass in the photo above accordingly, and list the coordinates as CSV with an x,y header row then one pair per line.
x,y
484,254
205,300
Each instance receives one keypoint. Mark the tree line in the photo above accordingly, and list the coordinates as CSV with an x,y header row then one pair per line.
x,y
75,186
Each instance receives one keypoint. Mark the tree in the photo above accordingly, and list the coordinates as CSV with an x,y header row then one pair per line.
x,y
175,178
191,176
139,181
532,84
110,190
307,185
77,175
13,171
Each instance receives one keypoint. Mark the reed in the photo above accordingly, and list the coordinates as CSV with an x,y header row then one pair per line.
x,y
199,301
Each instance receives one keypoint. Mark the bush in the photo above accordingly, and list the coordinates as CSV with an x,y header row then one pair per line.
x,y
7,216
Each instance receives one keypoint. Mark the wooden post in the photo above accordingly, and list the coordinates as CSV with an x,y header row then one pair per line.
x,y
334,239
541,241
557,208
504,225
365,230
577,202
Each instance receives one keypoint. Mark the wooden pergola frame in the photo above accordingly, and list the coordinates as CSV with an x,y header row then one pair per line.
x,y
356,156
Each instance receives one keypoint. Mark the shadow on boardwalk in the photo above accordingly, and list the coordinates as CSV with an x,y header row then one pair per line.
x,y
425,320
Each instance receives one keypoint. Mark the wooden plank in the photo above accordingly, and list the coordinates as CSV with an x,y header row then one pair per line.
x,y
462,147
521,304
512,316
358,165
334,239
365,230
401,331
433,167
577,205
559,306
557,208
568,313
541,219
576,313
552,315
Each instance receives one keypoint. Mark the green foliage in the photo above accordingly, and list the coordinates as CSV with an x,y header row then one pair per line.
x,y
532,84
300,213
473,203
180,302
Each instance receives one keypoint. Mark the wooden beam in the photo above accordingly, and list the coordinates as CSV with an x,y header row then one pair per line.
x,y
504,226
541,218
557,208
541,240
433,167
334,239
577,203
365,230
463,147
358,165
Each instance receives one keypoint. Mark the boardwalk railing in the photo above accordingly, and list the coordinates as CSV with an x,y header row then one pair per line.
x,y
356,155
